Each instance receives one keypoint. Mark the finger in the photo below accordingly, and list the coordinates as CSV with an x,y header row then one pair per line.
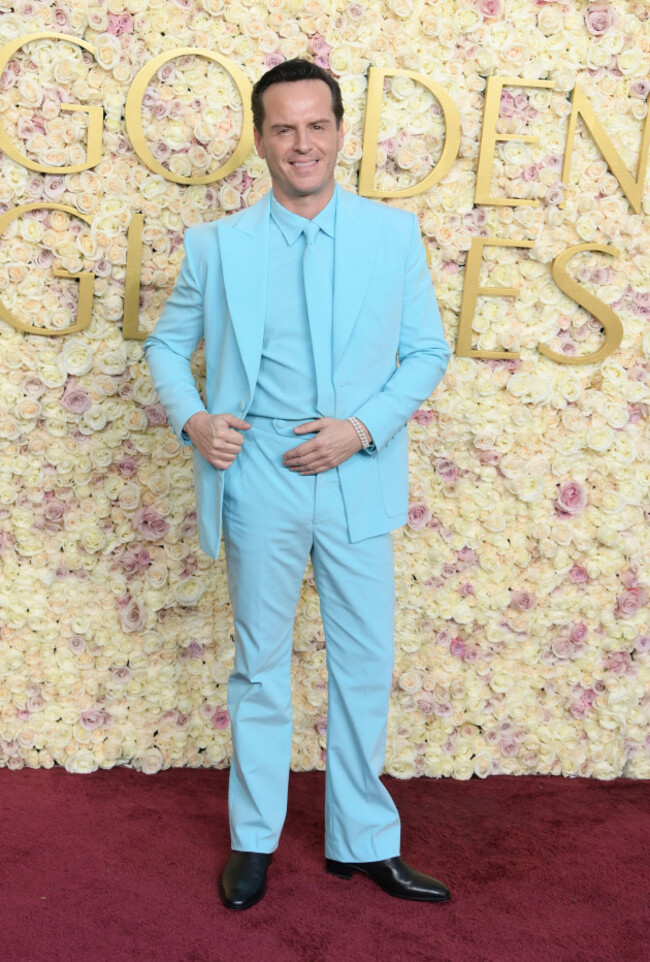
x,y
225,442
302,450
311,465
231,435
233,421
310,426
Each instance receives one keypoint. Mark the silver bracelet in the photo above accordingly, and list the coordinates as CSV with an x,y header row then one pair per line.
x,y
361,431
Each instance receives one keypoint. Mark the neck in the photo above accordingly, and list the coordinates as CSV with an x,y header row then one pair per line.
x,y
308,206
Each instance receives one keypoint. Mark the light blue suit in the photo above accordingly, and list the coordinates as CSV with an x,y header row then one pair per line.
x,y
384,308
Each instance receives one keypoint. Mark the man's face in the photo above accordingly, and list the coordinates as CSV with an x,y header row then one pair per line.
x,y
299,141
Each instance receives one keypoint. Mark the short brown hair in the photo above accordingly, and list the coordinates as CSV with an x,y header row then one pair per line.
x,y
289,72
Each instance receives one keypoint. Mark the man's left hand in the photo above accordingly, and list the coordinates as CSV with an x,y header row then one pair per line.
x,y
336,440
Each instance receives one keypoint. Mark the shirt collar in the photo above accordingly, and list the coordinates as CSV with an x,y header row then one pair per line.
x,y
292,224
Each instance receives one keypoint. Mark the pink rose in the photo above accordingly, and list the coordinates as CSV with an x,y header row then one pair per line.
x,y
61,18
422,417
53,187
125,24
129,562
523,600
580,708
418,516
600,18
127,467
529,173
508,747
149,523
156,414
471,654
467,555
578,575
54,510
457,647
562,647
489,8
221,718
579,633
91,719
273,59
356,11
122,675
640,88
447,470
507,107
642,643
75,399
195,649
630,601
133,616
425,702
619,662
319,45
571,498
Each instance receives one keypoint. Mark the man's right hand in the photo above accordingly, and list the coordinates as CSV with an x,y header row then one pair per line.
x,y
215,436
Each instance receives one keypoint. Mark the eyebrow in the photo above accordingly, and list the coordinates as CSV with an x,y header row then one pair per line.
x,y
324,120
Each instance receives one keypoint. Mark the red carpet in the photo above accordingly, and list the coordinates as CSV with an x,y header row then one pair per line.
x,y
117,865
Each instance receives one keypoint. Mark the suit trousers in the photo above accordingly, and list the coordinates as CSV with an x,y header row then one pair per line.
x,y
274,519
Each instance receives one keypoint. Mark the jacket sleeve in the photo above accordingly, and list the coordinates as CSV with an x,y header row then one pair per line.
x,y
170,347
423,352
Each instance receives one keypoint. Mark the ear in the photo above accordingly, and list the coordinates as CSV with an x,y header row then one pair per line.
x,y
258,142
341,136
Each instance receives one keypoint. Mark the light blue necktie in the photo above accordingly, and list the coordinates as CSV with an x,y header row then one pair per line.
x,y
318,295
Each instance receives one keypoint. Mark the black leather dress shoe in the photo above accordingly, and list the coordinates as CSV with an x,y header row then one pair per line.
x,y
395,877
243,881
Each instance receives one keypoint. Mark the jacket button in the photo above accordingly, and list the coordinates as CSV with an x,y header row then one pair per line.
x,y
241,405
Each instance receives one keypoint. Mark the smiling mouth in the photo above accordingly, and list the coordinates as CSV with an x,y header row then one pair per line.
x,y
303,163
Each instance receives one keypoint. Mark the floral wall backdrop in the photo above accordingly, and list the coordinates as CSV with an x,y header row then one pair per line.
x,y
522,630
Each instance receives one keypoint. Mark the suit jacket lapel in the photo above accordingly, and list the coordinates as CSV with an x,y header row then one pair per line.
x,y
356,246
243,243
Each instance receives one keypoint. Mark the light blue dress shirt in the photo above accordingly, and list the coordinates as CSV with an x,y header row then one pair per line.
x,y
286,382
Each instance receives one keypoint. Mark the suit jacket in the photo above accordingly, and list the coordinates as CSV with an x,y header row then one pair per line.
x,y
384,310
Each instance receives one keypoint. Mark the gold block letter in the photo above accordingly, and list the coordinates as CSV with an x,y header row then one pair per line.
x,y
610,321
633,189
130,328
86,279
371,134
95,114
471,290
134,115
490,136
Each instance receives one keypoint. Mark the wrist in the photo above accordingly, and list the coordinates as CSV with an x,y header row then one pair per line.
x,y
362,432
192,420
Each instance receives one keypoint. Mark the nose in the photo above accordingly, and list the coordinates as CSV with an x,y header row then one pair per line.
x,y
301,140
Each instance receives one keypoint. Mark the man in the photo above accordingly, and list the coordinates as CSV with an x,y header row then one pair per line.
x,y
305,300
